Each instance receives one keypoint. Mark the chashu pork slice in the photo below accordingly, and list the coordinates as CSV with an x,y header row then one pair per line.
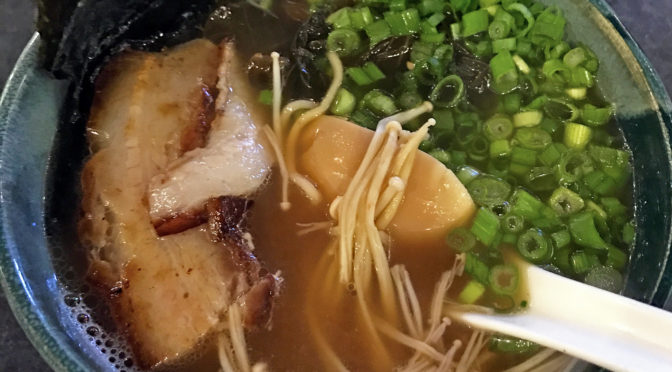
x,y
234,161
168,294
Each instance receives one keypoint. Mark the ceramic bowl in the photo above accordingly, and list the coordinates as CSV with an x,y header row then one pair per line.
x,y
31,252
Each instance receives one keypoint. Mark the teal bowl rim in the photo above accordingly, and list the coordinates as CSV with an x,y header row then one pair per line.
x,y
46,337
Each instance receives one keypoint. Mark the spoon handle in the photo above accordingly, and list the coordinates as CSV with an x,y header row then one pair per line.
x,y
601,327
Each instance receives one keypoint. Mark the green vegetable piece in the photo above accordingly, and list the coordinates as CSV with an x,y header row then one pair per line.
x,y
551,155
498,127
561,238
377,31
476,268
471,293
466,174
379,103
595,116
461,240
533,138
561,110
447,92
527,118
527,15
504,279
523,156
584,233
361,18
441,155
500,149
616,258
488,191
340,18
549,27
344,41
534,247
344,103
485,226
577,136
474,22
574,57
526,205
266,97
565,201
504,72
511,345
513,223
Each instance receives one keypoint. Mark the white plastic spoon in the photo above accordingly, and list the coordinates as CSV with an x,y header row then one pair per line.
x,y
603,328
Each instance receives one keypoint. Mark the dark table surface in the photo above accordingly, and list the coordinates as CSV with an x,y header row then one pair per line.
x,y
649,21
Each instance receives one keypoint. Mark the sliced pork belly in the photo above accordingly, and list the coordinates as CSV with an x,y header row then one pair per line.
x,y
234,161
167,293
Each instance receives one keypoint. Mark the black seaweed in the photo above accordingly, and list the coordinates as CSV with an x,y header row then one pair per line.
x,y
391,54
306,78
477,78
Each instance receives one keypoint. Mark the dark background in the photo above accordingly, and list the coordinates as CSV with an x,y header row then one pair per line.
x,y
649,21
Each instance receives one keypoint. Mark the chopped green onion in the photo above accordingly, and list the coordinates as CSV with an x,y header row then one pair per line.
x,y
431,6
421,51
565,201
628,233
533,246
441,155
525,12
551,155
577,136
498,127
541,179
361,18
605,277
455,31
488,191
344,41
582,78
616,258
549,27
447,92
266,97
379,103
533,138
397,5
499,30
518,170
511,103
476,268
556,70
471,292
500,149
558,50
466,174
409,99
461,240
561,110
377,31
527,118
513,223
584,233
474,22
580,262
411,20
574,57
344,103
573,165
521,64
365,118
523,156
596,116
561,238
504,279
504,72
508,44
561,259
485,226
577,94
340,18
526,205
511,345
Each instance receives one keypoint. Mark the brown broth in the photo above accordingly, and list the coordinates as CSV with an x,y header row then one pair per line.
x,y
290,345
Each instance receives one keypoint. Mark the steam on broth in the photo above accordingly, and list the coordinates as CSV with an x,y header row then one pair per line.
x,y
315,200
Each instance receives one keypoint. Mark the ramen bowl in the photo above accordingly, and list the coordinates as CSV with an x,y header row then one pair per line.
x,y
34,264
